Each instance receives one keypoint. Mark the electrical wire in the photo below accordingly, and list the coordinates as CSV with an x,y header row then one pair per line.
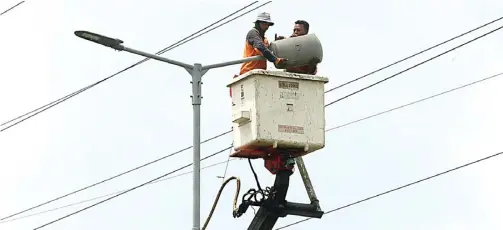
x,y
336,87
413,55
90,86
397,188
328,130
415,102
403,186
128,190
234,204
255,175
110,194
414,66
411,103
230,131
108,179
125,70
230,20
227,165
168,48
175,45
11,8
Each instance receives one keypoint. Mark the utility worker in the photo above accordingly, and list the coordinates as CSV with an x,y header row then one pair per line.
x,y
257,44
301,28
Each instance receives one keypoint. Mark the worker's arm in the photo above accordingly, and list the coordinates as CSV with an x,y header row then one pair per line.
x,y
313,69
313,66
253,37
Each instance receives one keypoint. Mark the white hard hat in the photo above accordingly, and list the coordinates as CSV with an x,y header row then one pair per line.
x,y
264,17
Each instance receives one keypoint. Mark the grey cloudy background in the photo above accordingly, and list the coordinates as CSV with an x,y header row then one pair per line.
x,y
146,113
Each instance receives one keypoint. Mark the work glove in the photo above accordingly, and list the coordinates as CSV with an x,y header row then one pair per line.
x,y
276,37
280,63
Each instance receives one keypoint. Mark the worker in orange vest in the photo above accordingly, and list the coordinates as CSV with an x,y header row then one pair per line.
x,y
257,44
301,28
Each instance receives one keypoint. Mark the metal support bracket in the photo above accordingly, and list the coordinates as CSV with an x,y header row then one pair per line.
x,y
197,75
276,206
307,183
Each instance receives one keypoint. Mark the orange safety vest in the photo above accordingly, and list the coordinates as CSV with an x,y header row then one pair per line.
x,y
250,52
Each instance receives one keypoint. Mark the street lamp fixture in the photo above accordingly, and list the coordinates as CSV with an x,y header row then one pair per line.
x,y
100,39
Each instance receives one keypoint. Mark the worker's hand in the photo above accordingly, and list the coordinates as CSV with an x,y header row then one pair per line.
x,y
276,37
280,63
314,61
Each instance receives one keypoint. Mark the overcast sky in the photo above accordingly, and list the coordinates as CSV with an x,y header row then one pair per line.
x,y
146,113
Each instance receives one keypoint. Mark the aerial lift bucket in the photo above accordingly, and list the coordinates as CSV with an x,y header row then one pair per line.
x,y
279,117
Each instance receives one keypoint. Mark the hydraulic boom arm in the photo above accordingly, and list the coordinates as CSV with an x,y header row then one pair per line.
x,y
273,204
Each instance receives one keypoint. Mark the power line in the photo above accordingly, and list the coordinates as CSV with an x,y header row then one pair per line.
x,y
110,194
11,8
342,207
179,43
417,101
176,44
416,182
75,93
53,103
457,88
167,49
414,66
241,15
413,55
129,190
230,130
397,188
413,102
110,178
227,165
328,130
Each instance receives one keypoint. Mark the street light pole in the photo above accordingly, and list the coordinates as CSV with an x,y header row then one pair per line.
x,y
197,71
197,75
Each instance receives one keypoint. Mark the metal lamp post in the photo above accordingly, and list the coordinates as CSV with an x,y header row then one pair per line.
x,y
196,71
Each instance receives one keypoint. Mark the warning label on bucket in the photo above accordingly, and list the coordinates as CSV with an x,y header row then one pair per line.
x,y
290,129
288,85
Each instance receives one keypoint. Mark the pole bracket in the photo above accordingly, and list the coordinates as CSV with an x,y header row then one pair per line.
x,y
197,75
